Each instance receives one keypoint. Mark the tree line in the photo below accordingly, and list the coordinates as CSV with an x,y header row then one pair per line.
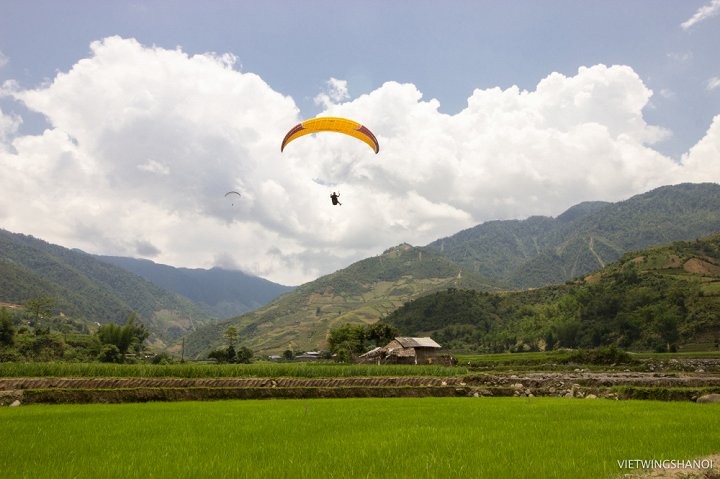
x,y
31,334
627,308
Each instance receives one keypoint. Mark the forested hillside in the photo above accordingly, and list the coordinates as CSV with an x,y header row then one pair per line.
x,y
81,286
660,298
361,293
487,259
540,251
219,292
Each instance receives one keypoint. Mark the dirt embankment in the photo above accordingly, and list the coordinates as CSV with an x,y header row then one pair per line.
x,y
616,385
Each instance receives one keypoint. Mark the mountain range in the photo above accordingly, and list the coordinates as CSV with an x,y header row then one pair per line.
x,y
90,288
660,298
221,293
492,256
541,250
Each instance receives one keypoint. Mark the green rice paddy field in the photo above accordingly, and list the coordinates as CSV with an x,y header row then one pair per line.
x,y
344,438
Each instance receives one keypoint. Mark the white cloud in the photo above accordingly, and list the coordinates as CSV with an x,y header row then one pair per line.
x,y
3,59
336,92
680,57
713,83
703,13
9,125
701,162
145,142
153,166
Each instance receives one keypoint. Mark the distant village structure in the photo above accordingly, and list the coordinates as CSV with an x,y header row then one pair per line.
x,y
403,350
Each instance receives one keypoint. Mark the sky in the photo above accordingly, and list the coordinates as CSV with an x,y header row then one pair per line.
x,y
123,124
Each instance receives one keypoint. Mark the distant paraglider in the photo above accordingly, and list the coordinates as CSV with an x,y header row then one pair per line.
x,y
231,193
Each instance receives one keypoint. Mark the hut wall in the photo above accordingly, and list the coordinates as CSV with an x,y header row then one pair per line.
x,y
426,355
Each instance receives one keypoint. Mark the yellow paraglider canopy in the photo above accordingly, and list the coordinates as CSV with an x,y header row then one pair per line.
x,y
332,123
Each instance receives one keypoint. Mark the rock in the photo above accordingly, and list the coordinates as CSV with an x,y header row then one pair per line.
x,y
15,403
517,386
591,396
709,398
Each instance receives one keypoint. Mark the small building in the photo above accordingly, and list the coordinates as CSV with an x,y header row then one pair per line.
x,y
309,356
403,350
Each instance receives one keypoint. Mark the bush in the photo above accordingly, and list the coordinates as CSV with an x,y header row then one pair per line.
x,y
9,355
610,355
162,358
110,354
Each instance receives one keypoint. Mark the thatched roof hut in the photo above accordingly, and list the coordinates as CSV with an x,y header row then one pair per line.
x,y
405,350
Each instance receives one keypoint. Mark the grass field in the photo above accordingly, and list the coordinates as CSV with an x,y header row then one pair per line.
x,y
428,437
194,370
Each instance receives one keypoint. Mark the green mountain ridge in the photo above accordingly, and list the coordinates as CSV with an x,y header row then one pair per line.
x,y
493,256
361,293
659,298
86,288
540,251
219,292
496,255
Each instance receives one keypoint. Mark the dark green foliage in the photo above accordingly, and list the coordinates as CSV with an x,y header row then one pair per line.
x,y
41,305
220,355
350,340
162,358
55,338
7,329
347,341
229,355
448,309
131,335
244,355
380,333
42,346
110,354
602,356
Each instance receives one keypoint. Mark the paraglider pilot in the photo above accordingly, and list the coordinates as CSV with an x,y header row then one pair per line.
x,y
334,198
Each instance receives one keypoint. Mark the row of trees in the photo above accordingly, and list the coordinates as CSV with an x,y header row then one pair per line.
x,y
30,335
229,354
35,333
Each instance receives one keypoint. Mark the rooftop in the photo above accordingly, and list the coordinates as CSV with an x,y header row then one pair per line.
x,y
417,343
